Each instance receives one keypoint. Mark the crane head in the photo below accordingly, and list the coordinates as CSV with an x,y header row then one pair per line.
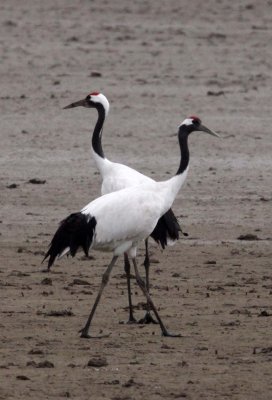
x,y
93,100
193,124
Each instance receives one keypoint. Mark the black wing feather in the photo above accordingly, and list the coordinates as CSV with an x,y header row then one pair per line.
x,y
77,230
167,227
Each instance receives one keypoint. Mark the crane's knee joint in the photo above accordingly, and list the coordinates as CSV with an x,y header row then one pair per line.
x,y
146,262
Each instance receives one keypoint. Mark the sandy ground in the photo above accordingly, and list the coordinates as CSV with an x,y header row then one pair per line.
x,y
157,62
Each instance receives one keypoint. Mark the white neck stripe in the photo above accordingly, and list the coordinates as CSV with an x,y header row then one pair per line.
x,y
100,98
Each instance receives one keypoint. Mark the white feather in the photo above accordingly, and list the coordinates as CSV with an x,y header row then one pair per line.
x,y
65,251
100,98
119,176
128,216
187,121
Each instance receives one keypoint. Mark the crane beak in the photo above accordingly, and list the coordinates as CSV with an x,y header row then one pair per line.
x,y
80,103
203,128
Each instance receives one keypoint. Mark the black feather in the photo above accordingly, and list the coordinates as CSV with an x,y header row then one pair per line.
x,y
167,227
77,230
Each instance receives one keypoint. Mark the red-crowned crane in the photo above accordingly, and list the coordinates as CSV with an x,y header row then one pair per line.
x,y
118,221
117,176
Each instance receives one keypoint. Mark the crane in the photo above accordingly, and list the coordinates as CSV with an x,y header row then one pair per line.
x,y
118,221
116,176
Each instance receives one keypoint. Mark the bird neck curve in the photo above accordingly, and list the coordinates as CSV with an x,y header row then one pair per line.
x,y
184,152
174,184
97,133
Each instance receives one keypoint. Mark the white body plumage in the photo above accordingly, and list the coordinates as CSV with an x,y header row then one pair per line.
x,y
117,176
127,216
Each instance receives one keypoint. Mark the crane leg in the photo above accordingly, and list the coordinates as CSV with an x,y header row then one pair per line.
x,y
131,319
105,279
149,300
147,319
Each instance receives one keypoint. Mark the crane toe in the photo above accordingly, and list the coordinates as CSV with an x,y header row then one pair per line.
x,y
168,334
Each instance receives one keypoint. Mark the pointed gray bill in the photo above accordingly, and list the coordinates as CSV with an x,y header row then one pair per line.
x,y
203,128
80,103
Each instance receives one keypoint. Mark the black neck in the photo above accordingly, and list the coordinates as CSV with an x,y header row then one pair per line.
x,y
184,151
97,133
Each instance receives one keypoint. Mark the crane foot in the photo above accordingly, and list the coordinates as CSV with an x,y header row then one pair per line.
x,y
147,319
168,334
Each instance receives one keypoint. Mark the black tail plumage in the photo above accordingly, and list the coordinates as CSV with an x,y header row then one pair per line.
x,y
167,228
75,231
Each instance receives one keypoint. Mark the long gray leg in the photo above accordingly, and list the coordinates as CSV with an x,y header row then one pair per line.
x,y
105,279
149,300
147,319
131,319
